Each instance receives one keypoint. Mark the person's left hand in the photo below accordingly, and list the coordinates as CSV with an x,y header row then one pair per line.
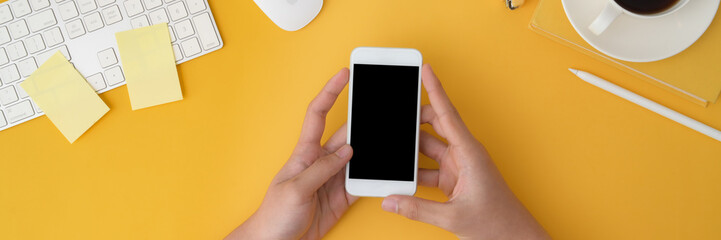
x,y
307,196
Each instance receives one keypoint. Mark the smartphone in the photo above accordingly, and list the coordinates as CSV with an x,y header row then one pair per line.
x,y
383,120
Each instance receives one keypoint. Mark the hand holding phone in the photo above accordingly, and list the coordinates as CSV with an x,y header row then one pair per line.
x,y
307,196
480,205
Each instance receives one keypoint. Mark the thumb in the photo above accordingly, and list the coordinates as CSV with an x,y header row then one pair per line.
x,y
417,209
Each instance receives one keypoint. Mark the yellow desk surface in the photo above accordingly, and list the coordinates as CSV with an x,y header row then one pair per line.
x,y
586,163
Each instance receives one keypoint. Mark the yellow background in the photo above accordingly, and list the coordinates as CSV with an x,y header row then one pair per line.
x,y
587,164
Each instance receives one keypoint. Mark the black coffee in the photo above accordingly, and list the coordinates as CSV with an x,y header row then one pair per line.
x,y
646,7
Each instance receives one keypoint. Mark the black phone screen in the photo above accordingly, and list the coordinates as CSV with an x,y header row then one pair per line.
x,y
383,122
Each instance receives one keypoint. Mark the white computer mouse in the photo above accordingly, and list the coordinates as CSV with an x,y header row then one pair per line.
x,y
290,15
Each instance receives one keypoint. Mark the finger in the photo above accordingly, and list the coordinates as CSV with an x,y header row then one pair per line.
x,y
314,121
337,140
322,169
431,146
418,209
428,177
428,115
452,124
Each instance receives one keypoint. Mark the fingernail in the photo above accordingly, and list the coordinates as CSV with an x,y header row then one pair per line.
x,y
344,151
390,205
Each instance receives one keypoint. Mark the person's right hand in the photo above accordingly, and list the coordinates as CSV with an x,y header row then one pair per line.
x,y
480,205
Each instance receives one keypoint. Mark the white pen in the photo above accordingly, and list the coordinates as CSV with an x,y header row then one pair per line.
x,y
648,104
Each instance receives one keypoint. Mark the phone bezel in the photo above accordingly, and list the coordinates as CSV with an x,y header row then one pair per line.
x,y
390,57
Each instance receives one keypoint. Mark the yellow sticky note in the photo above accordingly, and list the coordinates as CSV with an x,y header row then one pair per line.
x,y
149,64
64,95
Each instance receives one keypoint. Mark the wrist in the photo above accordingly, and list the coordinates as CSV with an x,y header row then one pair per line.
x,y
512,221
250,229
242,231
530,233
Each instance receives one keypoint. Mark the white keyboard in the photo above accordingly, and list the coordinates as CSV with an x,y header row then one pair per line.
x,y
84,31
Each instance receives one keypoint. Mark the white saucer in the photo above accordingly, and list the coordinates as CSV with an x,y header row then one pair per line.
x,y
642,40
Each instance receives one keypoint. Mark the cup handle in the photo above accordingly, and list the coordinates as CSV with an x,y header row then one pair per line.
x,y
607,16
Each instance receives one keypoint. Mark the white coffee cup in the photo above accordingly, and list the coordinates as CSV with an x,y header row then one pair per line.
x,y
613,10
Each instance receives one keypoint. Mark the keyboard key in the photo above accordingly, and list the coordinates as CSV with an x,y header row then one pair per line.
x,y
139,22
39,4
3,57
19,111
114,75
96,81
86,6
3,122
206,31
35,106
18,29
9,74
176,51
75,28
93,21
27,67
172,34
190,47
4,35
107,57
104,3
8,96
133,7
16,50
20,7
150,4
159,16
41,58
42,20
112,15
65,52
21,92
34,44
53,37
196,6
184,29
177,11
5,14
68,10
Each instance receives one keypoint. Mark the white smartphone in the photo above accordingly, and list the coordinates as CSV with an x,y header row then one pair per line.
x,y
383,120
